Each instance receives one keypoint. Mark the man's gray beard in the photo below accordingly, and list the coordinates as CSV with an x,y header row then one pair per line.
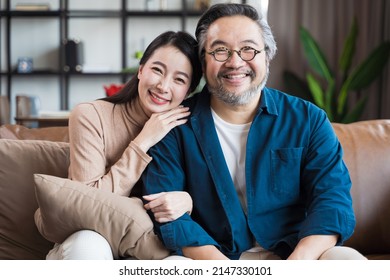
x,y
232,98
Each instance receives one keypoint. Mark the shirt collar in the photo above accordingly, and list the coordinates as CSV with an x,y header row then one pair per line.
x,y
267,103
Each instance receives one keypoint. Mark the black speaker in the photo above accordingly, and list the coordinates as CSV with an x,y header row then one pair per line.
x,y
74,55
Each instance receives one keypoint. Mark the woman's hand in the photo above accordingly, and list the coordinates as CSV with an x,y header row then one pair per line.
x,y
312,247
159,125
206,252
168,206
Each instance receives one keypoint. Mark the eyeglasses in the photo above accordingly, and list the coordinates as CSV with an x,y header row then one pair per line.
x,y
245,53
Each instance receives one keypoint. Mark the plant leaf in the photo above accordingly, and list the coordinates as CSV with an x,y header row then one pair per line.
x,y
349,48
329,98
314,55
316,90
296,86
356,112
365,73
370,68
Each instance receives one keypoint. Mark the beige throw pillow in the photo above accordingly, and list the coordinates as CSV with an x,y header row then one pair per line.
x,y
68,206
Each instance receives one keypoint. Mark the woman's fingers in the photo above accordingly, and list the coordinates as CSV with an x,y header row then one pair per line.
x,y
153,200
174,114
159,125
167,206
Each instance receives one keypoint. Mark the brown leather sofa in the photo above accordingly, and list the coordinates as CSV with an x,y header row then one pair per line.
x,y
366,147
366,152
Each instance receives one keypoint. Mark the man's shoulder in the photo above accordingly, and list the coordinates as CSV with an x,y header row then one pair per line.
x,y
279,95
193,99
283,99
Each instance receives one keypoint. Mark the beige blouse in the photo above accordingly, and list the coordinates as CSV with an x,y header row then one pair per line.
x,y
102,153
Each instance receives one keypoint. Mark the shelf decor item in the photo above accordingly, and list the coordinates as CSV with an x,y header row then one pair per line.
x,y
201,5
74,55
25,65
133,70
32,7
112,89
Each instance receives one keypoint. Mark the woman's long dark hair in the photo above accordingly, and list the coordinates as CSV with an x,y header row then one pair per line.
x,y
184,42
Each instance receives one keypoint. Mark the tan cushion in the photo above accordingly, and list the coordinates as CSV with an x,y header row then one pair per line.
x,y
366,147
57,134
19,160
68,206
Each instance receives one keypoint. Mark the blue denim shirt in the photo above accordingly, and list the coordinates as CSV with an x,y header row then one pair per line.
x,y
297,183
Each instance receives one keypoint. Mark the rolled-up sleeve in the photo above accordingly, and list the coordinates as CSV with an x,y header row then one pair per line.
x,y
327,182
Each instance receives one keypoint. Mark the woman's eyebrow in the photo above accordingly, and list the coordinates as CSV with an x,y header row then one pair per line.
x,y
184,74
165,68
160,63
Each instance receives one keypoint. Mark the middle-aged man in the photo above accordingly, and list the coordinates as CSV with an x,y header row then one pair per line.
x,y
264,169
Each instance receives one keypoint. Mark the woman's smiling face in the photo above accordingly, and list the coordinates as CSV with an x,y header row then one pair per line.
x,y
164,80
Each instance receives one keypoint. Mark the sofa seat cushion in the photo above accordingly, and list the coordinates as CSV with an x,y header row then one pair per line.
x,y
378,256
19,160
67,206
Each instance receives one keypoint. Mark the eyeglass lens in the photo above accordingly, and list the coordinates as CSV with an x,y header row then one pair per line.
x,y
245,54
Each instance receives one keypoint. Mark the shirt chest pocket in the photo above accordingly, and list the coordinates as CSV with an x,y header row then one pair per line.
x,y
285,171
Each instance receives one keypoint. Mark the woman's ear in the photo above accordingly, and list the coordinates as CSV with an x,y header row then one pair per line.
x,y
139,73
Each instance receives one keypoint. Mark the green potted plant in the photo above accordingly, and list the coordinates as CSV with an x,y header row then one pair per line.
x,y
321,85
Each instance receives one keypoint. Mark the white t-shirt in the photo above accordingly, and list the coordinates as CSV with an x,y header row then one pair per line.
x,y
233,138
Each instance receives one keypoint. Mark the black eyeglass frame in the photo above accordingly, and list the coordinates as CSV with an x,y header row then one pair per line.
x,y
230,53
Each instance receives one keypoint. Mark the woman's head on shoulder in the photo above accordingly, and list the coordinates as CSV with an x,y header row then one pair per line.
x,y
169,70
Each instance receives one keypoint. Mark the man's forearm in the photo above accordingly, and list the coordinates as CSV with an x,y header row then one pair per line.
x,y
312,247
207,252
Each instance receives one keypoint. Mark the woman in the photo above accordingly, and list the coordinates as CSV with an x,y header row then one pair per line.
x,y
109,138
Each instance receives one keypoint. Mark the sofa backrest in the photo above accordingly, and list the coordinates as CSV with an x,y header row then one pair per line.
x,y
366,146
20,132
19,160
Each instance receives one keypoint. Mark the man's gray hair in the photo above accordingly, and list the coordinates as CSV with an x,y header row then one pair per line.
x,y
225,10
